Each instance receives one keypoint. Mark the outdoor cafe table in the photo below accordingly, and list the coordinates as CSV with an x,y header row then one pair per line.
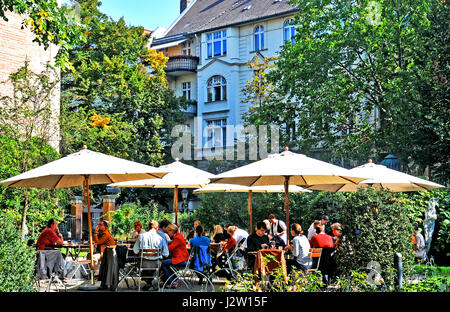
x,y
274,259
72,249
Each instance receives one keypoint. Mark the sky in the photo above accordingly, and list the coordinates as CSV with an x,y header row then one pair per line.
x,y
146,13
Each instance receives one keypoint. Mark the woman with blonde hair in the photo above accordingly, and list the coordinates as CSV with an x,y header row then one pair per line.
x,y
218,235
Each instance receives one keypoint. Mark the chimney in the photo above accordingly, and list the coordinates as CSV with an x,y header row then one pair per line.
x,y
184,4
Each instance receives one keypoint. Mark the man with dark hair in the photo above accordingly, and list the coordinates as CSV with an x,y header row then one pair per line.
x,y
277,229
49,236
256,241
162,231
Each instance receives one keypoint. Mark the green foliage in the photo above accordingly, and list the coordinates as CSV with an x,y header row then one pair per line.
x,y
49,23
297,281
40,204
356,281
117,76
435,283
364,77
416,203
375,227
16,259
122,219
103,133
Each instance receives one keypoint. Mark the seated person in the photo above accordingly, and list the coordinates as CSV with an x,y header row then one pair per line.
x,y
202,258
218,235
137,230
256,241
238,234
321,239
150,240
177,249
300,248
162,231
101,239
49,236
278,231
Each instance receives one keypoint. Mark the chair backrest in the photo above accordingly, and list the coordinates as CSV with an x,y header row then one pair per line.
x,y
150,252
314,254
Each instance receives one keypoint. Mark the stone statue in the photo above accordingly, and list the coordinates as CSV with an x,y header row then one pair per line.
x,y
428,223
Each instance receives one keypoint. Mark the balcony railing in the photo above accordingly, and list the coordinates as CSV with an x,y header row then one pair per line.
x,y
191,108
181,63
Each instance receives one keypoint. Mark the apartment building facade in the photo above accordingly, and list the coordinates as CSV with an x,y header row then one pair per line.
x,y
208,47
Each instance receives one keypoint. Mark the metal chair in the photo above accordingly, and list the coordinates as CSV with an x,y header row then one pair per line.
x,y
129,269
80,263
229,271
314,254
186,278
50,271
145,254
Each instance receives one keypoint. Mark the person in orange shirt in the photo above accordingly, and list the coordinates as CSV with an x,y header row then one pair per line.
x,y
102,238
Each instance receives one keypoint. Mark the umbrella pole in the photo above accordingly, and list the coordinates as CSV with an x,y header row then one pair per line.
x,y
286,205
91,247
250,207
175,203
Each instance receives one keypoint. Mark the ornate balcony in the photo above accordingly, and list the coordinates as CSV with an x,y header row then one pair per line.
x,y
181,64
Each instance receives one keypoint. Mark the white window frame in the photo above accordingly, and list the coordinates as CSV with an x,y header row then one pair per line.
x,y
216,43
216,133
186,47
258,38
186,88
216,89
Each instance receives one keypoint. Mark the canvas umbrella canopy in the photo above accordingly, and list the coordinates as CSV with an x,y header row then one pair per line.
x,y
83,168
234,188
180,175
381,177
286,169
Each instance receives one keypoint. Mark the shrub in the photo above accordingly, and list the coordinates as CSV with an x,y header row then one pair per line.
x,y
123,218
436,283
375,228
16,259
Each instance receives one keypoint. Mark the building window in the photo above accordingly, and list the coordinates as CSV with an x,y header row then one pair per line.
x,y
259,38
186,48
216,133
217,43
289,31
216,89
186,90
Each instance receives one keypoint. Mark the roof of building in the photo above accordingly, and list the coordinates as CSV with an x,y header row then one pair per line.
x,y
207,15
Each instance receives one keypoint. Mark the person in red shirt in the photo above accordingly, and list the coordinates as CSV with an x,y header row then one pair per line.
x,y
49,236
321,239
177,249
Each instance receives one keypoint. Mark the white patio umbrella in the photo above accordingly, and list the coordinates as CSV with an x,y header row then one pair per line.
x,y
234,188
286,169
180,175
381,177
83,168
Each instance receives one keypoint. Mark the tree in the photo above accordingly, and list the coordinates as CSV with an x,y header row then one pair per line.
x,y
26,125
49,23
266,103
354,75
116,73
117,76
